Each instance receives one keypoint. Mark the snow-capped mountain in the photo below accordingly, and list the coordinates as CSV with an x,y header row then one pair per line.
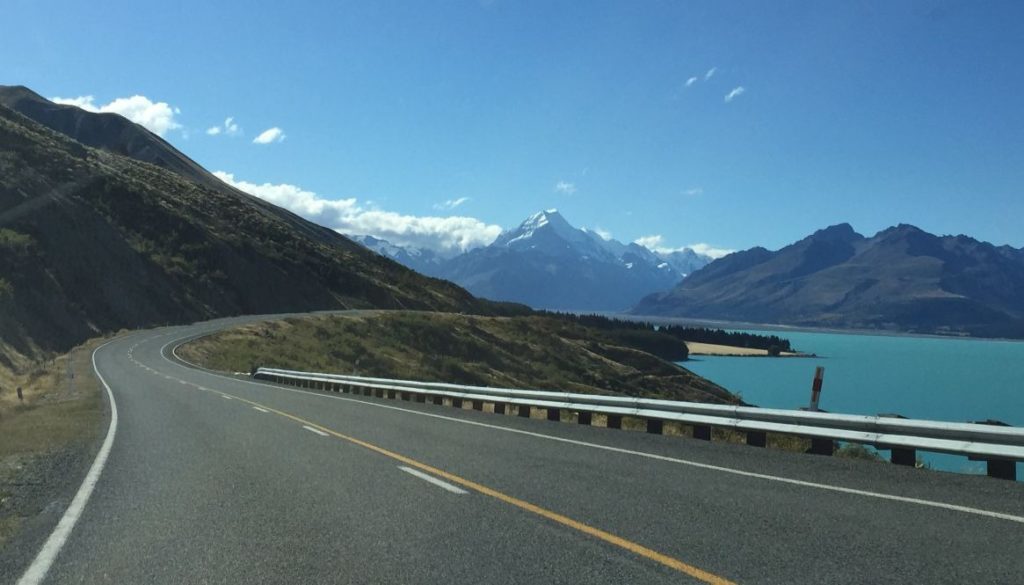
x,y
422,260
547,263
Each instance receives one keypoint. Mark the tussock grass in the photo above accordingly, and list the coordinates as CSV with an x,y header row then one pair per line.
x,y
531,352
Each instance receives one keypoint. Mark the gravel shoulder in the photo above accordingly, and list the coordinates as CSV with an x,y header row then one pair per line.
x,y
47,443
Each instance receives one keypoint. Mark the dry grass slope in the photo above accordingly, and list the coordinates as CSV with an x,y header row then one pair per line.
x,y
535,352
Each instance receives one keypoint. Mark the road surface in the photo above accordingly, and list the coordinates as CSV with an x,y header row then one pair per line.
x,y
219,479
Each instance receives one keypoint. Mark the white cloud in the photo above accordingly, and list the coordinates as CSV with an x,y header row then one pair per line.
x,y
157,117
691,81
230,127
451,203
694,191
735,93
605,234
709,250
710,73
269,135
348,216
656,243
565,187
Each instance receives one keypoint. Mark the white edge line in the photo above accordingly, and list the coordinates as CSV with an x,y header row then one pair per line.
x,y
40,566
431,479
697,464
260,409
317,431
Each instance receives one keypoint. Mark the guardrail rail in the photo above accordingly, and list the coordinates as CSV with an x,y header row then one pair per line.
x,y
1000,446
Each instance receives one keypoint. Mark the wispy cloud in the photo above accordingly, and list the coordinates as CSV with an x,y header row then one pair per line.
x,y
656,243
694,191
711,73
269,136
157,117
565,187
349,216
709,250
230,127
691,81
735,93
602,233
451,203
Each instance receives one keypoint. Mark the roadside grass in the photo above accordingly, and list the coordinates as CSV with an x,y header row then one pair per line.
x,y
62,408
536,352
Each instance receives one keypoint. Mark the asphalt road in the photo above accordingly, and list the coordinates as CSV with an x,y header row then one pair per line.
x,y
218,479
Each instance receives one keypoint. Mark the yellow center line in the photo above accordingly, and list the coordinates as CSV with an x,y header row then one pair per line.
x,y
608,537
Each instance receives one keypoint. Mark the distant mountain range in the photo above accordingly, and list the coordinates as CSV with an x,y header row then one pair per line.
x,y
104,225
547,263
900,279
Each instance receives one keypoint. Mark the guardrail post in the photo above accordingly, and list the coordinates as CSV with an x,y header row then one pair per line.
x,y
655,426
585,418
554,414
757,438
999,468
614,421
900,456
822,446
524,410
478,405
1002,469
702,432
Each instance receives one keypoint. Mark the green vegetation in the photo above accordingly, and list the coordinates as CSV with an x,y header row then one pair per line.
x,y
539,351
858,451
658,345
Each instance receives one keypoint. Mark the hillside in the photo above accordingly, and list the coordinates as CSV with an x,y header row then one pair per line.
x,y
900,279
92,240
546,352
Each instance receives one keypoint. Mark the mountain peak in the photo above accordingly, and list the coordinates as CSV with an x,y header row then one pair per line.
x,y
840,231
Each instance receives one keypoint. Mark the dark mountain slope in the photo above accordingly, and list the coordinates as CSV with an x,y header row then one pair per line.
x,y
901,279
110,132
92,241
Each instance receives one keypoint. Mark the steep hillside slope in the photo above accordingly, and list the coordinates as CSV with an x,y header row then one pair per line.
x,y
93,241
901,279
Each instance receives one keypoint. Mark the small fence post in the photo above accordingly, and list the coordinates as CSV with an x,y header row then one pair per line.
x,y
819,377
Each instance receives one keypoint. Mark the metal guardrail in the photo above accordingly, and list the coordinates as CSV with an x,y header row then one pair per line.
x,y
1000,446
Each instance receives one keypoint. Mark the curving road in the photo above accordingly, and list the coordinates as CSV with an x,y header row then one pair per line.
x,y
219,479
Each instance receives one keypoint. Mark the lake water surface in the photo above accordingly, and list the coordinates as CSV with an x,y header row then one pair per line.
x,y
918,377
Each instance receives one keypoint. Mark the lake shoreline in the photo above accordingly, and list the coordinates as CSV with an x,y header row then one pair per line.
x,y
746,325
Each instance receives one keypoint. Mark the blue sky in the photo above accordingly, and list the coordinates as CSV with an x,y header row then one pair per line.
x,y
873,113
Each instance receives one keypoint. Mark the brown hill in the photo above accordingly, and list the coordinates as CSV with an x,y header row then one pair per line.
x,y
93,240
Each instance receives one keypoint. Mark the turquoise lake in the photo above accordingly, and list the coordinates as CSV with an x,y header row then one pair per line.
x,y
917,377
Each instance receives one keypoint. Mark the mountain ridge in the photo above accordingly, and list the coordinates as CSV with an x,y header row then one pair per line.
x,y
92,241
902,279
547,263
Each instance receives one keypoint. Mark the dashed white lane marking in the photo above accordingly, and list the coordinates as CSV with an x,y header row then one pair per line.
x,y
317,431
225,397
431,479
260,409
654,456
